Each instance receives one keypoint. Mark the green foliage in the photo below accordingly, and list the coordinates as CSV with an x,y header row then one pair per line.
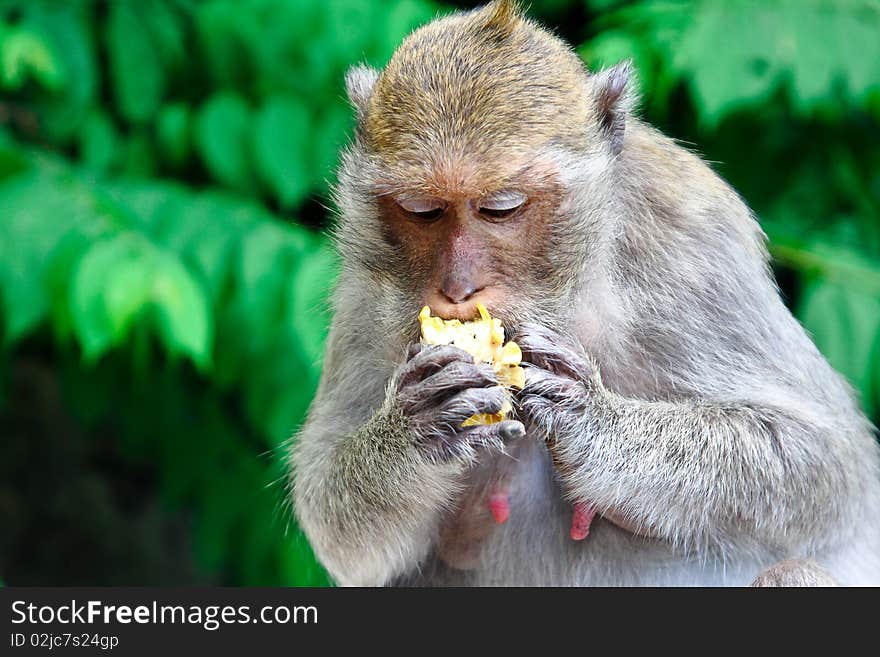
x,y
222,138
151,268
282,130
247,95
160,161
137,76
824,56
188,318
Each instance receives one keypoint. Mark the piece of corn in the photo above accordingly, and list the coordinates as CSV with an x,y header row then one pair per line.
x,y
484,339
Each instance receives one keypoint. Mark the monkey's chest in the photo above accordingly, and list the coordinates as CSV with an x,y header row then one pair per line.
x,y
494,500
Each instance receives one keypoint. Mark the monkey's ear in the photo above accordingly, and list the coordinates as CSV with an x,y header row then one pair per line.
x,y
359,81
615,98
502,17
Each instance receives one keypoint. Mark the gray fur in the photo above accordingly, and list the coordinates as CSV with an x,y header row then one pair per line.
x,y
359,81
615,100
669,386
794,573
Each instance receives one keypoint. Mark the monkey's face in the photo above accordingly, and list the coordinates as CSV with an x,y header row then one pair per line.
x,y
474,231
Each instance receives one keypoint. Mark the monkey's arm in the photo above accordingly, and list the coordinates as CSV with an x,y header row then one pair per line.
x,y
367,500
776,473
370,485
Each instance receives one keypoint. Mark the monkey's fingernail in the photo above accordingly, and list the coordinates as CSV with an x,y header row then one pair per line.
x,y
514,432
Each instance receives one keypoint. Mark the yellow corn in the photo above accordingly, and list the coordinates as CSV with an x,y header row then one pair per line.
x,y
484,339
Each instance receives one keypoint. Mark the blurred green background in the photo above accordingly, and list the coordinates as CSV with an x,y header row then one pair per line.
x,y
164,169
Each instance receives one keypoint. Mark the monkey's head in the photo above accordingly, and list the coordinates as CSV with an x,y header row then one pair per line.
x,y
479,168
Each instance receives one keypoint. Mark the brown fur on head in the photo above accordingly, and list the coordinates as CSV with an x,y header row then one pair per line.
x,y
471,105
487,84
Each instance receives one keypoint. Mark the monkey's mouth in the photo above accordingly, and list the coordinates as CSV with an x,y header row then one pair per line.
x,y
466,311
462,315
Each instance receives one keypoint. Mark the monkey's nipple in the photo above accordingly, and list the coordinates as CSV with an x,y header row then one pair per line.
x,y
499,506
581,519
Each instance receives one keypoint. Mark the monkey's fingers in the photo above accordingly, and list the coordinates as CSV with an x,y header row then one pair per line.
x,y
429,359
453,378
551,351
553,388
472,401
493,436
466,444
550,402
538,412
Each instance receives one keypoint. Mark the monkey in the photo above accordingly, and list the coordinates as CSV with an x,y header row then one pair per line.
x,y
676,418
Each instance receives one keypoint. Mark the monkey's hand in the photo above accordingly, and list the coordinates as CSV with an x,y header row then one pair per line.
x,y
560,382
371,497
440,387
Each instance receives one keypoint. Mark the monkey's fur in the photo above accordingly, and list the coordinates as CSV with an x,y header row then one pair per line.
x,y
669,386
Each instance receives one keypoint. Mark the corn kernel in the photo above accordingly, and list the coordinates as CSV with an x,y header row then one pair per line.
x,y
484,339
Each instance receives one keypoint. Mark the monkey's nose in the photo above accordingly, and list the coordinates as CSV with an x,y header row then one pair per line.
x,y
460,293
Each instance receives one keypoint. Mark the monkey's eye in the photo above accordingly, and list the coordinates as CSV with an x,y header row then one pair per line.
x,y
501,205
423,208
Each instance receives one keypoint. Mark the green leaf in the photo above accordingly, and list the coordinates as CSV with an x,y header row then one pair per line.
x,y
118,279
603,5
211,257
273,405
222,137
112,286
301,298
744,69
59,278
845,325
836,264
227,35
183,312
352,22
282,134
12,158
813,72
311,285
67,30
167,28
173,133
215,524
289,405
738,55
138,79
25,54
145,205
332,132
402,18
138,156
284,52
259,543
99,141
205,230
848,32
257,304
32,206
264,269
